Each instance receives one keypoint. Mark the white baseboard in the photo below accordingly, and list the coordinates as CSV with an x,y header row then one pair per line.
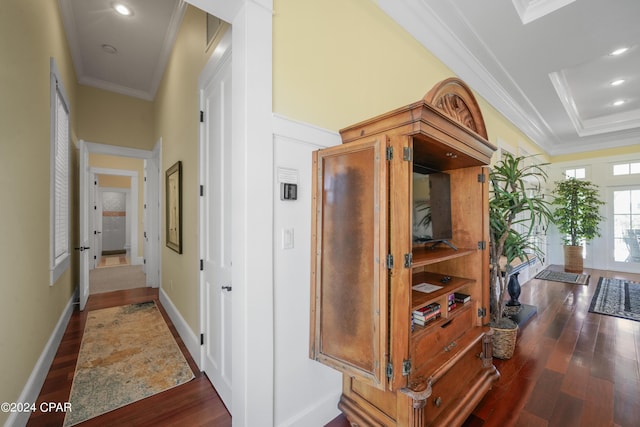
x,y
324,409
190,339
34,384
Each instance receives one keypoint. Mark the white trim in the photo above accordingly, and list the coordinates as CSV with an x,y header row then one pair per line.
x,y
39,373
304,132
114,150
191,341
325,408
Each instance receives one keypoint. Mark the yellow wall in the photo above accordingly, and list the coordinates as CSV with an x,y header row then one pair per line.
x,y
177,123
30,33
114,119
129,164
336,63
114,181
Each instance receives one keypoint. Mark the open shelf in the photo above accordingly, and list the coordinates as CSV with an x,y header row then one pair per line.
x,y
420,299
423,255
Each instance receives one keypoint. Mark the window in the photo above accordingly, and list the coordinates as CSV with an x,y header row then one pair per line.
x,y
59,176
626,169
578,173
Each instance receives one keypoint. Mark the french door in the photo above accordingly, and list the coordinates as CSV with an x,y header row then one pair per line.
x,y
624,217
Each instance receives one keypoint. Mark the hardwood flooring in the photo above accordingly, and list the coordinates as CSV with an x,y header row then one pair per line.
x,y
195,403
570,367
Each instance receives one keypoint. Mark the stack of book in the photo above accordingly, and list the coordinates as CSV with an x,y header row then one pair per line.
x,y
426,314
461,298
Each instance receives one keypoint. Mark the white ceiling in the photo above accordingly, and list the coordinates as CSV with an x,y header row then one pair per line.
x,y
549,75
143,42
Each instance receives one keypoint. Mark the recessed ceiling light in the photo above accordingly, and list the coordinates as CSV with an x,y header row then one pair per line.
x,y
617,82
109,49
122,9
619,51
618,102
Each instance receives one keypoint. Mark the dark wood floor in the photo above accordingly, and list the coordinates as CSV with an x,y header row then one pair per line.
x,y
570,367
195,403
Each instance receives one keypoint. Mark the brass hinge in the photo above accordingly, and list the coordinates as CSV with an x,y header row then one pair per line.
x,y
406,367
389,261
407,154
389,153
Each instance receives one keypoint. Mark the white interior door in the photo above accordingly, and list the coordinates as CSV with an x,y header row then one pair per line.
x,y
84,225
215,231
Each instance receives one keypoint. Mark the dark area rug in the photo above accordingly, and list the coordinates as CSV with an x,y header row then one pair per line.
x,y
617,297
561,276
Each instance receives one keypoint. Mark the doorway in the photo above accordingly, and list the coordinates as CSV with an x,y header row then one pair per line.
x,y
122,216
624,210
215,220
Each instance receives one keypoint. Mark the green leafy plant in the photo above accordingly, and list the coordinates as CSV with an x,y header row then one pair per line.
x,y
517,208
577,213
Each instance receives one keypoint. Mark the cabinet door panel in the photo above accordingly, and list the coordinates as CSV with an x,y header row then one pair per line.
x,y
349,280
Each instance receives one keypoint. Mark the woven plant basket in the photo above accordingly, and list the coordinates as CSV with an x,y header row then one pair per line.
x,y
504,342
573,261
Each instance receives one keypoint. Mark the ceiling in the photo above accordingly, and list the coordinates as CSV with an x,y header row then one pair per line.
x,y
544,64
124,54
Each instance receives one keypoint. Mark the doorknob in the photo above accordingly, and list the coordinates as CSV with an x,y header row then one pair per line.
x,y
82,248
226,288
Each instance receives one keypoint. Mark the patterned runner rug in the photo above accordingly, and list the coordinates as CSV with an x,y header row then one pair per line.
x,y
561,276
617,297
127,353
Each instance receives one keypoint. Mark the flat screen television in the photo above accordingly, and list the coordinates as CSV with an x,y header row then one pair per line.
x,y
431,208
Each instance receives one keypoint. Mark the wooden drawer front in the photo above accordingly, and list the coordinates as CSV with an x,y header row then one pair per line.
x,y
440,338
448,391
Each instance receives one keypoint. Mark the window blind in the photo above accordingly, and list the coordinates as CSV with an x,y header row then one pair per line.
x,y
61,176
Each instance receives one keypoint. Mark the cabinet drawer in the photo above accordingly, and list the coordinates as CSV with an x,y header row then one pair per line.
x,y
437,339
448,392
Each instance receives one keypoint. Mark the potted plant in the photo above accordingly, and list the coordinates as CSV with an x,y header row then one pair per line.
x,y
517,209
577,216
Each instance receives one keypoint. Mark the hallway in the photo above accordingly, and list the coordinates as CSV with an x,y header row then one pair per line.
x,y
194,403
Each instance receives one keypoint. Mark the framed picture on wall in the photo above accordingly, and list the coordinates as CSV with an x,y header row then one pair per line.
x,y
174,207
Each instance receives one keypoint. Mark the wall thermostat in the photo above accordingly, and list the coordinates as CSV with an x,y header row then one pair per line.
x,y
288,191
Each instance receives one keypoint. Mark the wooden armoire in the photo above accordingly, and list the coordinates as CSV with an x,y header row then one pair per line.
x,y
366,261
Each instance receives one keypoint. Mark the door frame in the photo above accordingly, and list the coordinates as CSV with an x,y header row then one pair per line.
x,y
252,200
609,232
86,174
132,197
